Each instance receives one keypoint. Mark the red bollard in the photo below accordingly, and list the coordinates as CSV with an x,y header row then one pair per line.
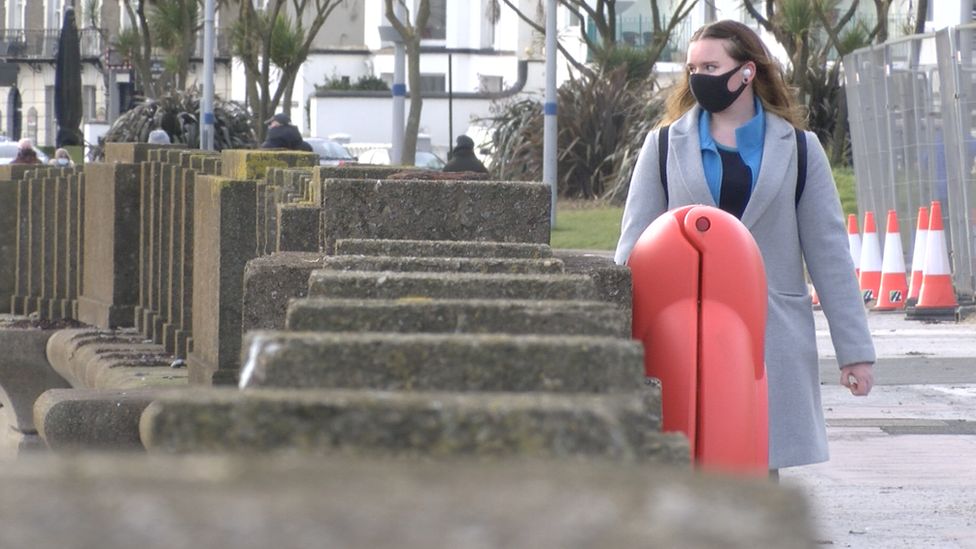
x,y
700,311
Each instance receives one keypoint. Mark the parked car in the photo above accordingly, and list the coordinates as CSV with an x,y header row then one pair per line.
x,y
423,159
330,152
8,151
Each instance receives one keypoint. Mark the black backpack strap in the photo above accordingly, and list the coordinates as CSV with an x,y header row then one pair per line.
x,y
801,164
662,158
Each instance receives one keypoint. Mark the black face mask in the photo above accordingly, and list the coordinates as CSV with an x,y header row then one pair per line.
x,y
712,91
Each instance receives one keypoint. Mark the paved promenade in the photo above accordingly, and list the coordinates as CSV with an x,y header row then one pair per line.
x,y
902,472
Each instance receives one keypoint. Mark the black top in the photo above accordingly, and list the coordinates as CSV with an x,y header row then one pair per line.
x,y
463,159
285,137
736,183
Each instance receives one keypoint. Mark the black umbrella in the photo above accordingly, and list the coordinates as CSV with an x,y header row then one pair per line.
x,y
67,83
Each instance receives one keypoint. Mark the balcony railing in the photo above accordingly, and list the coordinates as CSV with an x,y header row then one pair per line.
x,y
43,44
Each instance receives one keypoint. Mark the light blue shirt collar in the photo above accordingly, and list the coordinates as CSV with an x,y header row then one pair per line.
x,y
749,139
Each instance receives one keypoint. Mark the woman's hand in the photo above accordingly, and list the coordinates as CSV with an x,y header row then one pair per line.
x,y
859,378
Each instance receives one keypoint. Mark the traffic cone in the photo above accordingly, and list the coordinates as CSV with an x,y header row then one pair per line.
x,y
894,284
854,241
870,276
936,297
918,255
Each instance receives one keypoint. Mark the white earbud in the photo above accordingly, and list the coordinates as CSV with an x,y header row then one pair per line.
x,y
747,72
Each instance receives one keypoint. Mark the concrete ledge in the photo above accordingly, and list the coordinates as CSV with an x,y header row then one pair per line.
x,y
458,316
443,362
162,502
76,419
24,374
443,264
441,248
379,423
497,211
396,285
96,359
613,282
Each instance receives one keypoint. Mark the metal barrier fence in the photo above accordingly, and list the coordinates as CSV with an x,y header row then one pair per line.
x,y
912,118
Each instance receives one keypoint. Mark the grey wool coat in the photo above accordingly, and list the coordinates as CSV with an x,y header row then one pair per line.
x,y
788,234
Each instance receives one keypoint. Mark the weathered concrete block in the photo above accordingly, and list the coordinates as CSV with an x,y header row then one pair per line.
x,y
87,419
458,316
8,240
622,427
269,282
443,362
134,153
224,240
24,373
298,228
441,248
162,502
110,279
398,285
435,210
443,264
95,359
254,163
612,281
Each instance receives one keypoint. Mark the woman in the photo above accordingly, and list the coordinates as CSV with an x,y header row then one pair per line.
x,y
732,144
26,153
62,159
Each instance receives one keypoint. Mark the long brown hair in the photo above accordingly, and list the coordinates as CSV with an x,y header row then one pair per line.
x,y
769,85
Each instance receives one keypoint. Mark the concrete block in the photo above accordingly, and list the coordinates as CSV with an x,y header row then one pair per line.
x,y
441,248
623,427
435,210
443,264
24,373
398,285
298,228
443,362
134,153
612,281
254,163
291,502
270,282
110,280
88,419
224,240
458,316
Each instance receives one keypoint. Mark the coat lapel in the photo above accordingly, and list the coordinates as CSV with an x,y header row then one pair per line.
x,y
775,169
685,154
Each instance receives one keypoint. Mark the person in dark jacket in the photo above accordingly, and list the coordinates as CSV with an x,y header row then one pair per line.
x,y
26,153
463,158
282,135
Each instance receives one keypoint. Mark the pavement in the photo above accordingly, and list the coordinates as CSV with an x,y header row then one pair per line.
x,y
902,472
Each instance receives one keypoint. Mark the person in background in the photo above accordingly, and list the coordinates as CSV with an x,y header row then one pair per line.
x,y
282,135
159,137
26,153
62,159
463,158
732,143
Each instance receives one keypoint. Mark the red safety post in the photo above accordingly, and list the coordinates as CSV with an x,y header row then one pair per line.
x,y
700,310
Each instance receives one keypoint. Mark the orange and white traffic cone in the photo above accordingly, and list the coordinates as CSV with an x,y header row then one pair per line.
x,y
918,255
894,284
936,297
854,241
870,277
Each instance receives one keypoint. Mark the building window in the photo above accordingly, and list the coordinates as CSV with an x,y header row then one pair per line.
x,y
88,102
437,24
32,124
432,83
490,84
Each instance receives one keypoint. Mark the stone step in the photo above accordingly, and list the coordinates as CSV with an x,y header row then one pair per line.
x,y
497,211
397,285
90,358
621,427
441,248
443,362
458,316
443,264
121,501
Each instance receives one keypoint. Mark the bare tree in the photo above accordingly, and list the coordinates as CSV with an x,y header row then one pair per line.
x,y
411,34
